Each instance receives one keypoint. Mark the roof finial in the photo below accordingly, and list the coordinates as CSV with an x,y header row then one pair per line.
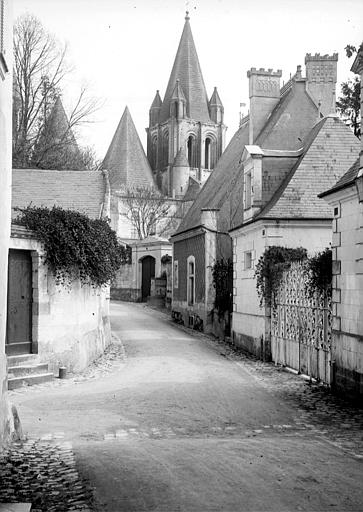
x,y
187,16
187,10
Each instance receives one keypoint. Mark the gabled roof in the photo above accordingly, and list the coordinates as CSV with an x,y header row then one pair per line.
x,y
187,69
221,190
346,180
83,191
125,159
329,148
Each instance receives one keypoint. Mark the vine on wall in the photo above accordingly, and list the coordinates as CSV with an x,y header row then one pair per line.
x,y
76,247
275,259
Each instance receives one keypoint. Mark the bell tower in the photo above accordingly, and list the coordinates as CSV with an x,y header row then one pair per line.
x,y
185,123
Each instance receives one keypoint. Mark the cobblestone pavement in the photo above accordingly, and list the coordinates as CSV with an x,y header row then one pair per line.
x,y
44,474
43,471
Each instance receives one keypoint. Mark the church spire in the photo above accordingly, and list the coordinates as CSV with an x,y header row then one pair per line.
x,y
187,70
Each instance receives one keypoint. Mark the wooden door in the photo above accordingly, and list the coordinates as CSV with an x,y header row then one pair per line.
x,y
19,315
148,271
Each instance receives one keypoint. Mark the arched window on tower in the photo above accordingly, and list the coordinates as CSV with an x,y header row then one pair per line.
x,y
209,153
154,152
165,149
192,151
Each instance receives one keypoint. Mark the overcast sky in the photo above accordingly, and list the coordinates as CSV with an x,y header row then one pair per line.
x,y
124,50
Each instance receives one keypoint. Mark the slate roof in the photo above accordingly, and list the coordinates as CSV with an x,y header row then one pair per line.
x,y
83,191
187,70
347,179
328,149
181,159
223,183
156,101
192,190
125,159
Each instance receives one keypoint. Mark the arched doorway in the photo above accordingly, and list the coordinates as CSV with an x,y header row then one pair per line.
x,y
147,273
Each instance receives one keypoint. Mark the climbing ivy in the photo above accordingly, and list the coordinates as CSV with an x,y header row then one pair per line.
x,y
222,272
319,272
76,247
270,267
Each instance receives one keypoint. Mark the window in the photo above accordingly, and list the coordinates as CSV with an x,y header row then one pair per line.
x,y
207,153
165,149
248,260
176,274
248,189
191,151
191,280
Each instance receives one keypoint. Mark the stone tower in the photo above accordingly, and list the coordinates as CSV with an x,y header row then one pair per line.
x,y
185,137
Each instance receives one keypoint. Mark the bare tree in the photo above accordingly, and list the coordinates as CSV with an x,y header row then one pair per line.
x,y
39,68
148,211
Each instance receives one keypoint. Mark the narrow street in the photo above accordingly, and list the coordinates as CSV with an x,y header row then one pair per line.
x,y
183,424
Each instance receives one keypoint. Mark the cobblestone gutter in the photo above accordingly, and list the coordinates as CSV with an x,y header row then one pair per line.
x,y
44,474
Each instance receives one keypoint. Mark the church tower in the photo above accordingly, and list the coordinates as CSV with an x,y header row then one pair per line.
x,y
186,134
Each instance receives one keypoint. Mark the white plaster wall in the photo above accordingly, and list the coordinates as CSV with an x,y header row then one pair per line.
x,y
6,424
71,326
248,317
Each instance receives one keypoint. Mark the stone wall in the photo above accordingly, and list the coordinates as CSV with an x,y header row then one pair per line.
x,y
70,325
348,293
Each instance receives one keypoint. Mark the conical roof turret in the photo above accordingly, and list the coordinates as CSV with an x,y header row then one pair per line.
x,y
125,159
215,100
178,93
157,101
181,159
187,69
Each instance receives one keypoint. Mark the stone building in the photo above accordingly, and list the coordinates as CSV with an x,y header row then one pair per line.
x,y
346,201
263,192
6,423
49,324
185,137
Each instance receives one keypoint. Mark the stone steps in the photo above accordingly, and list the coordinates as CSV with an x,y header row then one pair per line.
x,y
27,370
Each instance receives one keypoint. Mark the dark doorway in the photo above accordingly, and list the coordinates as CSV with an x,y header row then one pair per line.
x,y
148,271
19,315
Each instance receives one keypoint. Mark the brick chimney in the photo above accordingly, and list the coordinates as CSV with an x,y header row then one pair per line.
x,y
264,96
321,79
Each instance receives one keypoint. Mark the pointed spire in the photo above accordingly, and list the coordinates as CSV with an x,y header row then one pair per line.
x,y
178,92
215,99
157,101
125,159
187,69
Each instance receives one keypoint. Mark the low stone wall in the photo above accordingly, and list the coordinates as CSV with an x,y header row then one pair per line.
x,y
123,286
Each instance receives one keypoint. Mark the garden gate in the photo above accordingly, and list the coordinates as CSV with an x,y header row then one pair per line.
x,y
301,326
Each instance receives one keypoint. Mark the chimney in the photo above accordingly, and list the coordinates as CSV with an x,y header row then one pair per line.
x,y
209,218
264,96
321,79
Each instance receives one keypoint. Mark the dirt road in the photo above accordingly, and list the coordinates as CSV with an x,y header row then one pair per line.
x,y
181,427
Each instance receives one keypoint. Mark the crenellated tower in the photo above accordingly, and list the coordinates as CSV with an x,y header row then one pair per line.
x,y
185,127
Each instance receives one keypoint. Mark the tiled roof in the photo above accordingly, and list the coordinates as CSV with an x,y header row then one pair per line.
x,y
83,191
222,190
157,101
329,148
125,159
290,121
192,190
347,179
187,70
